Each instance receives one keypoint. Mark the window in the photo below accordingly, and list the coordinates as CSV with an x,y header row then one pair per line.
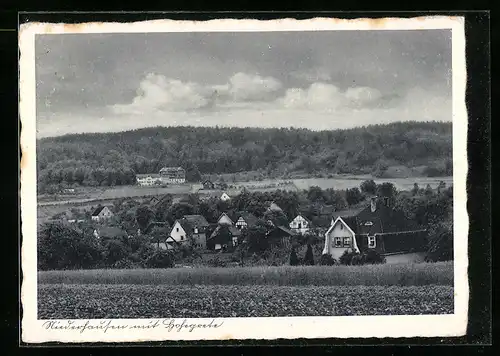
x,y
341,226
195,230
347,241
372,241
338,242
368,223
177,229
182,238
299,226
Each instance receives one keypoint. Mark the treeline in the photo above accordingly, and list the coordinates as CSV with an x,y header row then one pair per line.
x,y
114,158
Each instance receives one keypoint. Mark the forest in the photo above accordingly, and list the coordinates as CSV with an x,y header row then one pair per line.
x,y
108,159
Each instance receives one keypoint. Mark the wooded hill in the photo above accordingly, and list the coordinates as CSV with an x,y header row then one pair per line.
x,y
115,158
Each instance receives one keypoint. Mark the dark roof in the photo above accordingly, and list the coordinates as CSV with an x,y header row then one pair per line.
x,y
249,218
98,210
396,242
196,220
282,230
233,231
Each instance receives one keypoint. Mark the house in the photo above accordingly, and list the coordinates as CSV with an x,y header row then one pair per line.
x,y
225,197
67,217
376,227
173,175
101,213
300,225
224,219
280,236
223,237
154,200
245,219
190,230
208,184
148,180
274,207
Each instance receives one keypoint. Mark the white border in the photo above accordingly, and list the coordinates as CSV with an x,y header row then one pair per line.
x,y
249,328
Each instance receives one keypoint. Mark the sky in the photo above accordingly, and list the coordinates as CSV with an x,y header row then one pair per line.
x,y
321,80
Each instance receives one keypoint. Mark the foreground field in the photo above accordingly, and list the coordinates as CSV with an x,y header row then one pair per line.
x,y
369,275
58,301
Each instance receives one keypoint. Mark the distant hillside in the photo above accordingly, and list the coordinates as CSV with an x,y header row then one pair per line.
x,y
115,158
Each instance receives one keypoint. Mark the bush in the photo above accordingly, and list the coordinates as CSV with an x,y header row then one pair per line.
x,y
294,260
373,257
309,257
327,260
160,259
216,261
347,257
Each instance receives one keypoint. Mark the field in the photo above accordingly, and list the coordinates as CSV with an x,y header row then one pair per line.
x,y
247,291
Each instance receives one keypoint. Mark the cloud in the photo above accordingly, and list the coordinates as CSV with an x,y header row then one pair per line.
x,y
322,96
158,93
313,75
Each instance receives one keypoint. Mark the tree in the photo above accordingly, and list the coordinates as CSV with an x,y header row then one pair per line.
x,y
428,190
415,189
294,260
143,216
160,259
353,196
369,186
326,260
440,244
387,190
309,257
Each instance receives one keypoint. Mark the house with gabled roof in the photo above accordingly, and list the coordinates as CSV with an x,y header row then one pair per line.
x,y
224,219
208,184
245,219
190,230
376,227
300,225
225,197
280,236
223,237
101,213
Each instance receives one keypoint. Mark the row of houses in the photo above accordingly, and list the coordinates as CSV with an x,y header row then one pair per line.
x,y
376,226
167,175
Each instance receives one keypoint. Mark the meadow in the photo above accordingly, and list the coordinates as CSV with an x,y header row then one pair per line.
x,y
440,273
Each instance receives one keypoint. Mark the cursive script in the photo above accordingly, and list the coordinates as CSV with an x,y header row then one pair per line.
x,y
113,325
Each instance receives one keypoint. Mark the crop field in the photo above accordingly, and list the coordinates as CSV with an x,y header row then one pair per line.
x,y
425,288
369,275
58,301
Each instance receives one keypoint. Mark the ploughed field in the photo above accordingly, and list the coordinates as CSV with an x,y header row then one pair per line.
x,y
247,292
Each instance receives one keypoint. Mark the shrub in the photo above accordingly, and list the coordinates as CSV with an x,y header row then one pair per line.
x,y
160,259
309,257
373,257
216,261
347,256
294,260
327,260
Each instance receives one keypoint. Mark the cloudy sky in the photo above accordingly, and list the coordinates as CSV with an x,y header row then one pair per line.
x,y
318,80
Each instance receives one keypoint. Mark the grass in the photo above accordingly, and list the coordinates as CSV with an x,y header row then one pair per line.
x,y
162,301
369,275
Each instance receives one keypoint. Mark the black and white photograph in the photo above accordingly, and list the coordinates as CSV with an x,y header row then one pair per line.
x,y
272,175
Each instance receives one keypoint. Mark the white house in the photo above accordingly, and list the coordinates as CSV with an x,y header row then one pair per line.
x,y
339,238
178,234
225,197
300,225
225,220
101,213
148,180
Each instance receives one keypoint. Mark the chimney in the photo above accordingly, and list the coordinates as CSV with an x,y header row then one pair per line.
x,y
373,204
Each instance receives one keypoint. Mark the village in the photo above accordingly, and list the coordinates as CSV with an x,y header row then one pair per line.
x,y
369,224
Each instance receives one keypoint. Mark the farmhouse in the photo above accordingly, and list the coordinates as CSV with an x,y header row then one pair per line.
x,y
224,219
148,180
300,225
376,227
173,175
279,236
245,219
190,230
101,213
208,184
222,237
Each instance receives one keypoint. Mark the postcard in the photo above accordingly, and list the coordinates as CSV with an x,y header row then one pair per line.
x,y
243,179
